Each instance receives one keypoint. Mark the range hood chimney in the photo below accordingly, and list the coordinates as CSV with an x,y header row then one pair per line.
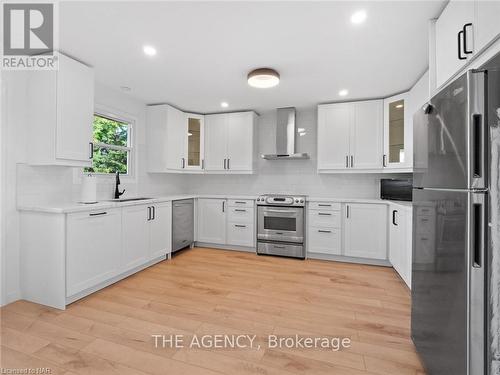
x,y
285,136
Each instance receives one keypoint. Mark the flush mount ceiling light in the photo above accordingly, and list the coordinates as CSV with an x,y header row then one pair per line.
x,y
343,92
263,78
358,17
149,50
224,104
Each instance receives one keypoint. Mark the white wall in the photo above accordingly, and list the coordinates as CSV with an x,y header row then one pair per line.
x,y
289,176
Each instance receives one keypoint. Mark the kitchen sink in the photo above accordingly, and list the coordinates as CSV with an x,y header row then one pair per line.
x,y
128,199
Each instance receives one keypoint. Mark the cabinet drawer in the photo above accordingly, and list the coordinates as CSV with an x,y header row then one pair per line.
x,y
325,241
329,219
240,215
240,234
324,206
240,202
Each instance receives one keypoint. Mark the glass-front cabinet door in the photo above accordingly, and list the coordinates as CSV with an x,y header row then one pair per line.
x,y
195,142
397,151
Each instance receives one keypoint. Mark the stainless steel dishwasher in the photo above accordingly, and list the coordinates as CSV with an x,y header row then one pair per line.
x,y
182,224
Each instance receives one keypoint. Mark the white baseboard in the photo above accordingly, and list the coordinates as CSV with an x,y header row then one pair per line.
x,y
11,297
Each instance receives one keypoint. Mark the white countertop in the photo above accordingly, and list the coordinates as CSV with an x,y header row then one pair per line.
x,y
64,208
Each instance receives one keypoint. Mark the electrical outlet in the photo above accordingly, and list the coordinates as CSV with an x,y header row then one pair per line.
x,y
495,368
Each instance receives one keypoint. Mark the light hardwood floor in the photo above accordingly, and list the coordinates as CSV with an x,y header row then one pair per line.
x,y
208,291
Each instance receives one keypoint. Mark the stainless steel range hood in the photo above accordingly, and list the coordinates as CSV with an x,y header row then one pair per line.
x,y
285,136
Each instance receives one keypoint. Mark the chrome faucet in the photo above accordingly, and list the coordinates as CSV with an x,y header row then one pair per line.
x,y
117,192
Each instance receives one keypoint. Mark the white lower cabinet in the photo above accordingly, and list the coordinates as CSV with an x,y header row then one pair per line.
x,y
135,236
400,240
146,233
226,222
160,230
365,230
212,220
93,249
324,229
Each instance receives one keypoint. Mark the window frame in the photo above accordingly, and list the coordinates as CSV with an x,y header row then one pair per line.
x,y
122,117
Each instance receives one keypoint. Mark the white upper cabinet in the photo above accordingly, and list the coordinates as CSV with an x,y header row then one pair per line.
x,y
350,136
365,230
60,115
398,133
366,135
462,31
175,140
230,142
216,142
453,38
195,144
333,136
487,26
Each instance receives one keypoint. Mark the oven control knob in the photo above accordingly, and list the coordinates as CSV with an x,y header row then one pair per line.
x,y
296,201
301,201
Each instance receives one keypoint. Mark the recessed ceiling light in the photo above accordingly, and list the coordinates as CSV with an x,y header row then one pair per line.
x,y
263,78
149,50
343,92
224,104
358,17
125,88
399,106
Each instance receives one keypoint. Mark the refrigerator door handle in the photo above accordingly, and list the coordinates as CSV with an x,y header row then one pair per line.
x,y
477,230
477,138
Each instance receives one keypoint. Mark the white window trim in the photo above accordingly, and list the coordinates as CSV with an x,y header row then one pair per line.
x,y
121,116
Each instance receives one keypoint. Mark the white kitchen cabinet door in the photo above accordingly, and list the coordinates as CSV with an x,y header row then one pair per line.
x,y
93,249
448,28
366,136
325,241
160,230
400,244
212,220
176,139
240,141
135,236
195,142
216,136
333,135
75,110
241,234
487,25
398,133
365,230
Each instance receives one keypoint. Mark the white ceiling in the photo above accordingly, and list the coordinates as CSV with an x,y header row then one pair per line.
x,y
206,49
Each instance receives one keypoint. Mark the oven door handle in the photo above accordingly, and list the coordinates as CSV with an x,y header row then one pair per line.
x,y
281,211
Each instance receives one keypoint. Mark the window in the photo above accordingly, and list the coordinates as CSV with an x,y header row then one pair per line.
x,y
112,146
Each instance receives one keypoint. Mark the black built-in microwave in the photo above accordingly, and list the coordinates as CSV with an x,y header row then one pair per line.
x,y
396,189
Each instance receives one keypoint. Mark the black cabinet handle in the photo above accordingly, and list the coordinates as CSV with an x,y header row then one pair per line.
x,y
347,161
202,163
240,202
223,206
460,37
394,217
149,213
98,213
240,210
224,163
324,214
352,161
347,211
91,150
154,212
477,144
240,226
228,167
324,205
384,160
324,231
467,52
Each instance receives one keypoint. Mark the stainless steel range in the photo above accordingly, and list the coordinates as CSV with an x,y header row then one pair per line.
x,y
280,225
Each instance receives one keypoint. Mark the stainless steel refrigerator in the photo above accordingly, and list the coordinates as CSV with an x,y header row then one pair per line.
x,y
455,211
